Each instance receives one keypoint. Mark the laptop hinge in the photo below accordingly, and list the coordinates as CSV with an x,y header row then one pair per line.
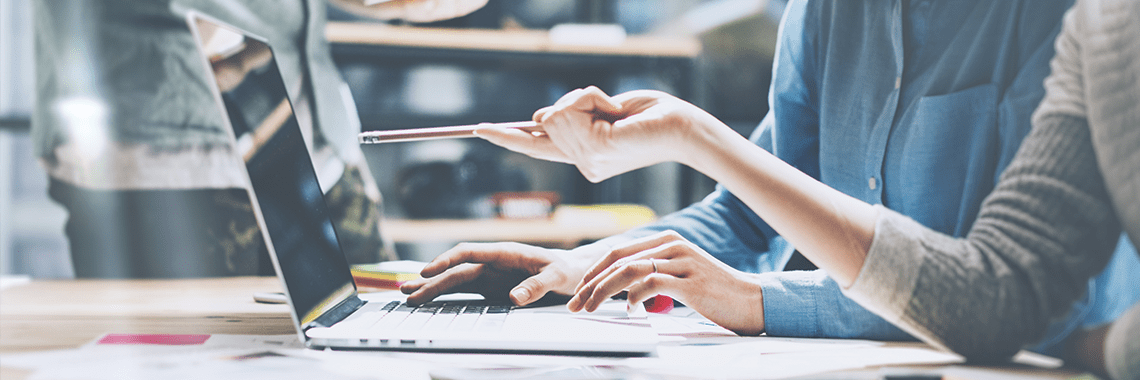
x,y
338,312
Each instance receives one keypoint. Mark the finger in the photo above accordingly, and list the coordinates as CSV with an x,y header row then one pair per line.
x,y
527,143
535,287
616,281
541,114
652,285
562,127
596,109
637,96
594,100
590,100
473,253
664,260
451,281
628,249
585,294
412,285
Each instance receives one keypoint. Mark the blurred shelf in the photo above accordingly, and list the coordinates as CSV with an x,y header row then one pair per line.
x,y
527,41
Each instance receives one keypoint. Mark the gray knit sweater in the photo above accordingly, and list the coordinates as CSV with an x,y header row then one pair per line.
x,y
1049,225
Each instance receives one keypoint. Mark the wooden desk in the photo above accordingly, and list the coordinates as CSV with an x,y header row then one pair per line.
x,y
47,315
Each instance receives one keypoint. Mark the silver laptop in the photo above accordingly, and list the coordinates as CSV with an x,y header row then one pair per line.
x,y
303,245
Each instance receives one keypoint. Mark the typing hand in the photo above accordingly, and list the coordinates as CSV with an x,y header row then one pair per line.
x,y
520,272
606,136
668,264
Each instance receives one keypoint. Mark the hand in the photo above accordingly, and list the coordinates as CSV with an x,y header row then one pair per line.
x,y
668,264
412,10
231,70
520,272
606,136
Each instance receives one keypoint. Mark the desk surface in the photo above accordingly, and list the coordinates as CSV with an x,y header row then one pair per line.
x,y
45,315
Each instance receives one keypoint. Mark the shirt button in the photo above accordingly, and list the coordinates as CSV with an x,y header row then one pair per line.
x,y
871,183
898,82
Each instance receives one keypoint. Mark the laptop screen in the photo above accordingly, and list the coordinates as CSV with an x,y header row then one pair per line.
x,y
307,253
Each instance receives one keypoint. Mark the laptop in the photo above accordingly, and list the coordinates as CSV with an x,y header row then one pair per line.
x,y
290,208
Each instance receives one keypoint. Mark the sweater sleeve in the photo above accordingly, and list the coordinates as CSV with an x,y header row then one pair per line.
x,y
1046,228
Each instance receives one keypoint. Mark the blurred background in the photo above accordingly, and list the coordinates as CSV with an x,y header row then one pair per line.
x,y
714,53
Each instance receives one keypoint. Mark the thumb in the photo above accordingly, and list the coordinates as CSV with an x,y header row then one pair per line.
x,y
532,288
595,101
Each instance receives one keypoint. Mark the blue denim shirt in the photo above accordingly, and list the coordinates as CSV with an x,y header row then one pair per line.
x,y
917,105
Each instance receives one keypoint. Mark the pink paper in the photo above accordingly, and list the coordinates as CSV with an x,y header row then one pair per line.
x,y
163,339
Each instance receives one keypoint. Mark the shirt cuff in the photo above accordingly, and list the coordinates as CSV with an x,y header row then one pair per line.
x,y
890,272
790,307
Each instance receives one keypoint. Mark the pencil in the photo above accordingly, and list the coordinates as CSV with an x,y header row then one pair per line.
x,y
432,133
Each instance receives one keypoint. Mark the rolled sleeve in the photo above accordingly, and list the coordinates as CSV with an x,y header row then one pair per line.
x,y
888,278
789,305
811,304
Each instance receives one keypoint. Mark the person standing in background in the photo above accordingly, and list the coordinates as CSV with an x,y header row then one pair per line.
x,y
134,144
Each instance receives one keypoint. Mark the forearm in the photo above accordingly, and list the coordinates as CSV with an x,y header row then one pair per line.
x,y
830,228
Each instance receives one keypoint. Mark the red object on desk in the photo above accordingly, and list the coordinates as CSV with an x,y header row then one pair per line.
x,y
659,304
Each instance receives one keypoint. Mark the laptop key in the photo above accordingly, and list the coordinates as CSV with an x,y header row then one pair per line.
x,y
438,322
416,321
363,317
393,318
463,322
451,308
490,322
496,309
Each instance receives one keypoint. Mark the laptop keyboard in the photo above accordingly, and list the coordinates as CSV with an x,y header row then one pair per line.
x,y
432,316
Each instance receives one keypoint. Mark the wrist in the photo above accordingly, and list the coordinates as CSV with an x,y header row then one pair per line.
x,y
707,145
755,304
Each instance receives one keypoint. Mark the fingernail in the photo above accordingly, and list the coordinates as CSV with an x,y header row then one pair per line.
x,y
520,295
575,303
